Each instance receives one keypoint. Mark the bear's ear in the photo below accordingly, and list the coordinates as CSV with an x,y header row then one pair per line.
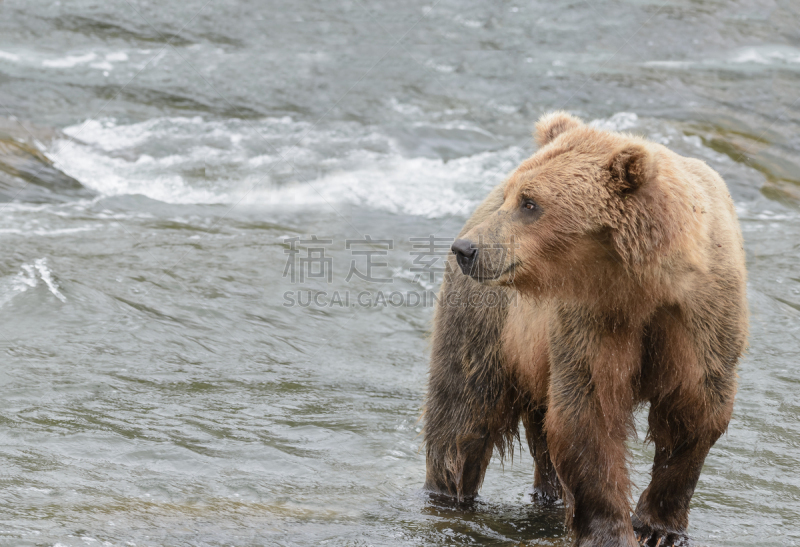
x,y
631,167
552,125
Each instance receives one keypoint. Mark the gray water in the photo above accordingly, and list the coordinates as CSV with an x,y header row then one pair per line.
x,y
156,390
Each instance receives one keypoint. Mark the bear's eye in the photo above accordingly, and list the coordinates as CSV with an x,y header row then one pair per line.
x,y
529,205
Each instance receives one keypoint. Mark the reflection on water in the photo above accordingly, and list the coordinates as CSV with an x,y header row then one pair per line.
x,y
156,389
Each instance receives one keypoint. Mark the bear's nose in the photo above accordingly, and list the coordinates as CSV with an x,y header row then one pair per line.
x,y
465,253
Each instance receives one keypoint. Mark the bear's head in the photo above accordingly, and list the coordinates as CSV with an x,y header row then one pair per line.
x,y
587,205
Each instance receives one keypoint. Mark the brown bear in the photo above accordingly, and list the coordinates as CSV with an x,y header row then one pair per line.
x,y
606,272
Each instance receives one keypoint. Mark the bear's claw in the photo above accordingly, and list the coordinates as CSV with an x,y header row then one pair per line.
x,y
665,539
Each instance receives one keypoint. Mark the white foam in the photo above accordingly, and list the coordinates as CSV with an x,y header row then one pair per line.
x,y
108,135
669,64
767,55
44,232
469,23
256,163
102,65
47,276
415,186
69,61
618,122
28,278
9,56
113,176
25,279
759,55
116,56
440,67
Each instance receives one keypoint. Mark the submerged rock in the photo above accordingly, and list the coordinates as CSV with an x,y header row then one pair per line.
x,y
26,174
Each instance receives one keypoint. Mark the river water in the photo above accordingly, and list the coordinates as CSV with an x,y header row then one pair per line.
x,y
180,178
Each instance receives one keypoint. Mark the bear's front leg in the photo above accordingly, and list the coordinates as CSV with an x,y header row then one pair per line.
x,y
470,407
684,425
662,514
456,465
693,383
594,361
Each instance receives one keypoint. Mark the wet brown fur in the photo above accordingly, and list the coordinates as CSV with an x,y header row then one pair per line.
x,y
626,287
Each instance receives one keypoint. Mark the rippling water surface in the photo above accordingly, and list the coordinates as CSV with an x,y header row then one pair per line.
x,y
155,157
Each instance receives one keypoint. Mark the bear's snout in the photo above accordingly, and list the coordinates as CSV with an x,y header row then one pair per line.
x,y
465,252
